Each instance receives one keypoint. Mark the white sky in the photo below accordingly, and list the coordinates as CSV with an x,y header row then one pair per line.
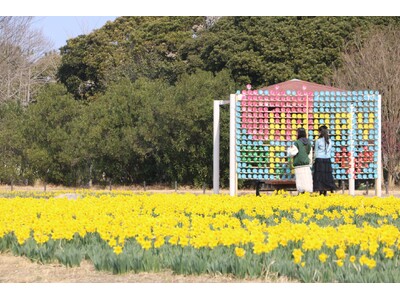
x,y
59,29
201,8
62,20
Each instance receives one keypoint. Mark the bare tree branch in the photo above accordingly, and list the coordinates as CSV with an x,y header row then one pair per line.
x,y
22,49
374,64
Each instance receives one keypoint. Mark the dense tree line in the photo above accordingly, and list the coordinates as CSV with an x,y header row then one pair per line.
x,y
133,100
146,130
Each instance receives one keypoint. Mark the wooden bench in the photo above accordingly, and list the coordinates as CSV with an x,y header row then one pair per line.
x,y
274,185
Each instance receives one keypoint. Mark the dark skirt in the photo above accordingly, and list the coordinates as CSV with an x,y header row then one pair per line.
x,y
322,176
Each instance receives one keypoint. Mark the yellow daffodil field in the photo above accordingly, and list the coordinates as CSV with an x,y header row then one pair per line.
x,y
306,238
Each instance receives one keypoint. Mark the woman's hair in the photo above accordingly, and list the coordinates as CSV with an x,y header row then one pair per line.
x,y
301,132
323,133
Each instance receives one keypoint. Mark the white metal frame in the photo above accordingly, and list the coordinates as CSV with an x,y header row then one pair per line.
x,y
232,145
352,181
217,122
232,148
378,180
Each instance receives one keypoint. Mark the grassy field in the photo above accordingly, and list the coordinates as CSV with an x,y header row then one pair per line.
x,y
166,189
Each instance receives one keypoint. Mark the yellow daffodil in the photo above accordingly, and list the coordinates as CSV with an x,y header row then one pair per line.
x,y
240,252
339,263
323,257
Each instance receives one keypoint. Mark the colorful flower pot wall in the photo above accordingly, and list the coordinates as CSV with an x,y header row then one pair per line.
x,y
266,124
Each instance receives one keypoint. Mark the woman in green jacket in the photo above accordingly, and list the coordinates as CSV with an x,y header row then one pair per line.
x,y
300,151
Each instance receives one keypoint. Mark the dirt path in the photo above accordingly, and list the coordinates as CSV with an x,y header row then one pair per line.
x,y
14,269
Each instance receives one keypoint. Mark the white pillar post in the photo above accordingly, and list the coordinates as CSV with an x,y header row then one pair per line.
x,y
232,147
378,181
216,147
352,182
216,142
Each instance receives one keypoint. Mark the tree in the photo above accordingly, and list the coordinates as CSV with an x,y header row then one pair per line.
x,y
187,126
149,130
129,47
12,143
47,130
268,50
373,63
22,67
119,136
